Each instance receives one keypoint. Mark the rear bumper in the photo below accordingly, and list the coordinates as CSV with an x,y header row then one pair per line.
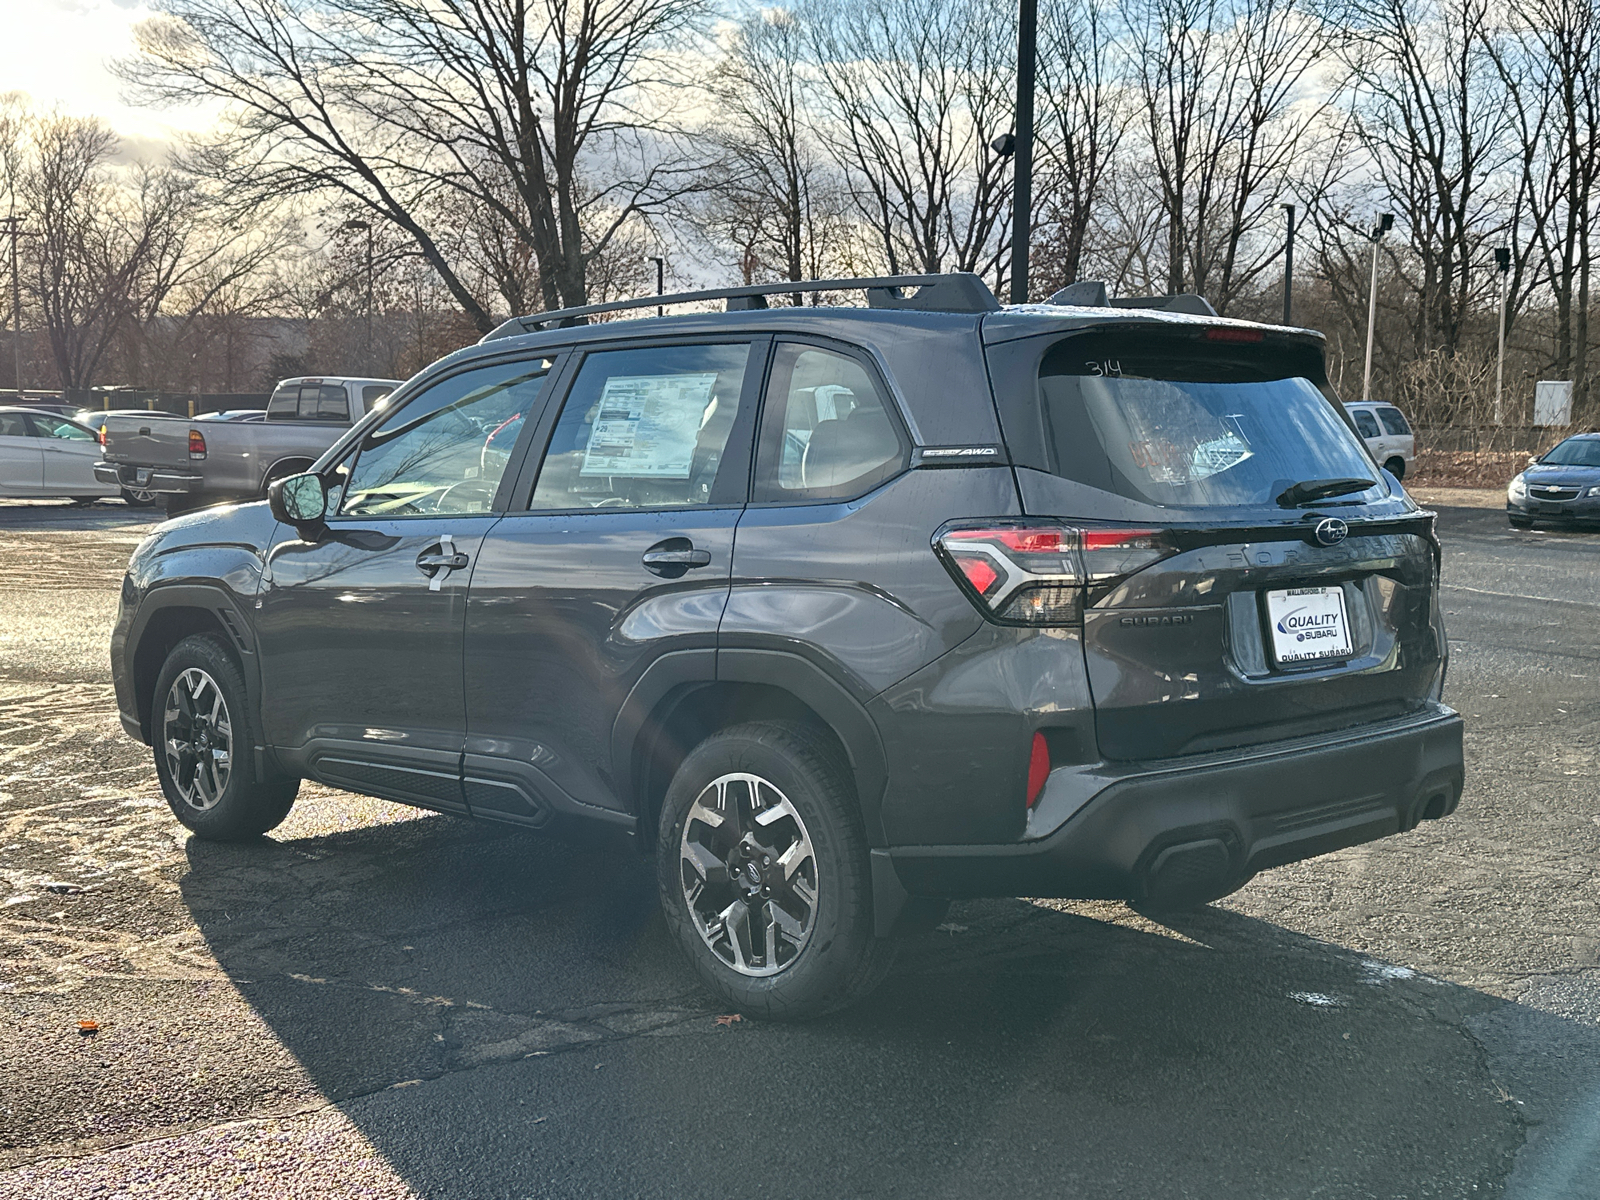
x,y
161,479
1175,826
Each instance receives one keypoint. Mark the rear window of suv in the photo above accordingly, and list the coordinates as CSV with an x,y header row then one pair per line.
x,y
1167,422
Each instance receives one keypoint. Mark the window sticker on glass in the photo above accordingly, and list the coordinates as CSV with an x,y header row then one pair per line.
x,y
647,426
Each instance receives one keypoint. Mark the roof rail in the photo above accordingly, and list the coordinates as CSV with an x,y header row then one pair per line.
x,y
957,292
1091,293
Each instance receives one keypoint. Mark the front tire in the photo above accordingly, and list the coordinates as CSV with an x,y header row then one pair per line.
x,y
204,738
1396,467
764,873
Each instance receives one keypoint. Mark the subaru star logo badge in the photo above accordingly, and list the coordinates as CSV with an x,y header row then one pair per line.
x,y
1331,531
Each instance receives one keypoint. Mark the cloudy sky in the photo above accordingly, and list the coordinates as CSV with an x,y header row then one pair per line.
x,y
57,51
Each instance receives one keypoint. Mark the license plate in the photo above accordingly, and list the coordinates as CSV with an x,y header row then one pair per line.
x,y
141,475
1553,509
1308,624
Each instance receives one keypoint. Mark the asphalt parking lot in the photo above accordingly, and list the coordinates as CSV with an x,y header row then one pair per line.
x,y
381,1002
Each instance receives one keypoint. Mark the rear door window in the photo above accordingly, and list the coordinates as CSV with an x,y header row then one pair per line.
x,y
1394,421
55,427
647,428
1168,423
1366,423
827,432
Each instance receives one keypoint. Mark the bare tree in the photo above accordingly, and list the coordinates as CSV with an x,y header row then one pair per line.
x,y
1082,119
913,91
1216,82
776,198
103,251
1548,56
532,109
1432,123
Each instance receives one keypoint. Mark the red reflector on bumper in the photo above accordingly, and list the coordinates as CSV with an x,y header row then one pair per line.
x,y
1038,768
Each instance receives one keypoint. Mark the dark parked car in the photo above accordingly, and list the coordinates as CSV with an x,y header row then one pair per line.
x,y
842,612
1561,486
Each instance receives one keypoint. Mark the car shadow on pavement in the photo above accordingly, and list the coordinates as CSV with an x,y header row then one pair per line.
x,y
502,1014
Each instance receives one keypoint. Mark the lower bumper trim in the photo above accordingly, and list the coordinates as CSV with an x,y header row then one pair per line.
x,y
1225,820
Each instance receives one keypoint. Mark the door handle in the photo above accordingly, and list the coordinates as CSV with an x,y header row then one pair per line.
x,y
438,562
672,557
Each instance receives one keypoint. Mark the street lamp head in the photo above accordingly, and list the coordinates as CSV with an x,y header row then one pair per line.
x,y
1005,145
1382,225
357,226
1502,259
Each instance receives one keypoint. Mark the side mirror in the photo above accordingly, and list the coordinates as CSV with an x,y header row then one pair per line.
x,y
301,501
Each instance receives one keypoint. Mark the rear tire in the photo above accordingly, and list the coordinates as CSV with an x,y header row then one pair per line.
x,y
1396,467
764,873
138,499
204,737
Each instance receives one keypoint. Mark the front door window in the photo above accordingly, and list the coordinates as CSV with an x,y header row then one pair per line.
x,y
446,451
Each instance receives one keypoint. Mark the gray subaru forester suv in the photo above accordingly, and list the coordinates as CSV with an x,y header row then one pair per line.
x,y
843,612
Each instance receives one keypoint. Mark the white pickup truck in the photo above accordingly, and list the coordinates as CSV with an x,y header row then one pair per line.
x,y
192,464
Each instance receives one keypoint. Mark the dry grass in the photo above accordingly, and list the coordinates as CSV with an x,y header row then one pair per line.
x,y
1466,468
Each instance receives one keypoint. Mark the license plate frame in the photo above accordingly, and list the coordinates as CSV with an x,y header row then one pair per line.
x,y
1320,635
141,475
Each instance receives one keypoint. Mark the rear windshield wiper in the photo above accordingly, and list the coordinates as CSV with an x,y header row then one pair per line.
x,y
1320,489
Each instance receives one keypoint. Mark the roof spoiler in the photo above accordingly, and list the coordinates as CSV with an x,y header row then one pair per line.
x,y
1091,293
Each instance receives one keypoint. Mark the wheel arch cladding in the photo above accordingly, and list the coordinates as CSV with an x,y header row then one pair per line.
x,y
165,627
691,712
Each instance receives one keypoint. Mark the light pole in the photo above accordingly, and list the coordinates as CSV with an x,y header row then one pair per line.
x,y
1381,226
661,280
366,227
1022,180
1288,266
1502,262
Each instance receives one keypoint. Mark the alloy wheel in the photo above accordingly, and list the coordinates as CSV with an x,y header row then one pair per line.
x,y
749,874
197,738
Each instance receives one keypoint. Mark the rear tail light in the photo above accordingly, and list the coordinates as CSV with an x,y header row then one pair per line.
x,y
197,444
1042,573
101,436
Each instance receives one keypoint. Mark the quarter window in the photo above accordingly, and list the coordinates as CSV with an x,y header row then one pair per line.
x,y
826,431
447,449
646,429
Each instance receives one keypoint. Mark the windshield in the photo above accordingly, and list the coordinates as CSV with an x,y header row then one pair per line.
x,y
1185,431
1574,452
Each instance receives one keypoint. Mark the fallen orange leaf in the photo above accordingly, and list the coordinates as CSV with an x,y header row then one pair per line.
x,y
729,1018
88,1026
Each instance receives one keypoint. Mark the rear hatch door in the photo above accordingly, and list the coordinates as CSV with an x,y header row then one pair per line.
x,y
1253,578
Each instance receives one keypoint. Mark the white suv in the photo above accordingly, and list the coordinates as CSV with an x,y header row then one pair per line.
x,y
1387,434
